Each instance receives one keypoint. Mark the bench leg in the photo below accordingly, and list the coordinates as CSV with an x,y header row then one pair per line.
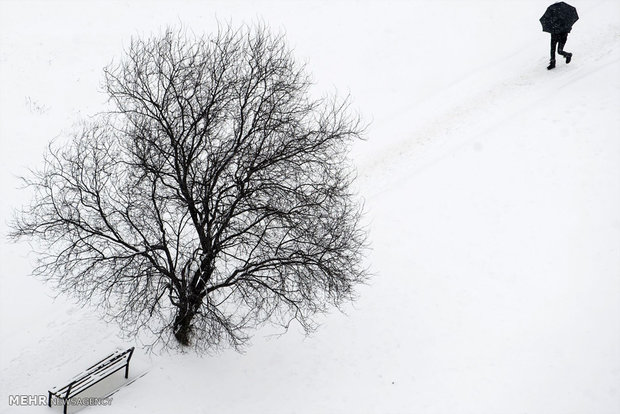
x,y
49,399
128,359
65,410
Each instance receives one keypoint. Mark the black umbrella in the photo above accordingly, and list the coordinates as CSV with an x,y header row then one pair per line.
x,y
559,18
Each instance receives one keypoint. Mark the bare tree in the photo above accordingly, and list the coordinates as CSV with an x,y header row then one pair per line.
x,y
214,198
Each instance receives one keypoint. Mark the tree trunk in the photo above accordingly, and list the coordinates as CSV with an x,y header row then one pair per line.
x,y
182,327
189,305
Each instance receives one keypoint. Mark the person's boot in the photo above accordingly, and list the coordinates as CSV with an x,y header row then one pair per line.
x,y
551,64
568,57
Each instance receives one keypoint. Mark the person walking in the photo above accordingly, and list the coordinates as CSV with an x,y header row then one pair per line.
x,y
558,20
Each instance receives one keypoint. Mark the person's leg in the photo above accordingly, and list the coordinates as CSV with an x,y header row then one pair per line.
x,y
554,42
561,43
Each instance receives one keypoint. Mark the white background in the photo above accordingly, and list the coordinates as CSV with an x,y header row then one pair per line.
x,y
492,191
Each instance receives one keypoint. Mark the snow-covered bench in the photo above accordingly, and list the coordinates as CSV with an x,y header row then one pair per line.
x,y
92,375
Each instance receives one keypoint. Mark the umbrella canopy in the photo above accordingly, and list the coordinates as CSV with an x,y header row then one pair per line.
x,y
559,18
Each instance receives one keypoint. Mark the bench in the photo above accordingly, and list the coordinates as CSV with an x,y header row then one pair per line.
x,y
92,375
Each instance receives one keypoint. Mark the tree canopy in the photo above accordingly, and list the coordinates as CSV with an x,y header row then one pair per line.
x,y
215,196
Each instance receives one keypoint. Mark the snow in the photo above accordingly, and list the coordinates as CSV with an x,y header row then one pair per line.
x,y
492,190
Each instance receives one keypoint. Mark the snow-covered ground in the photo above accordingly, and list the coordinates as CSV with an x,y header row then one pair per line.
x,y
492,190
